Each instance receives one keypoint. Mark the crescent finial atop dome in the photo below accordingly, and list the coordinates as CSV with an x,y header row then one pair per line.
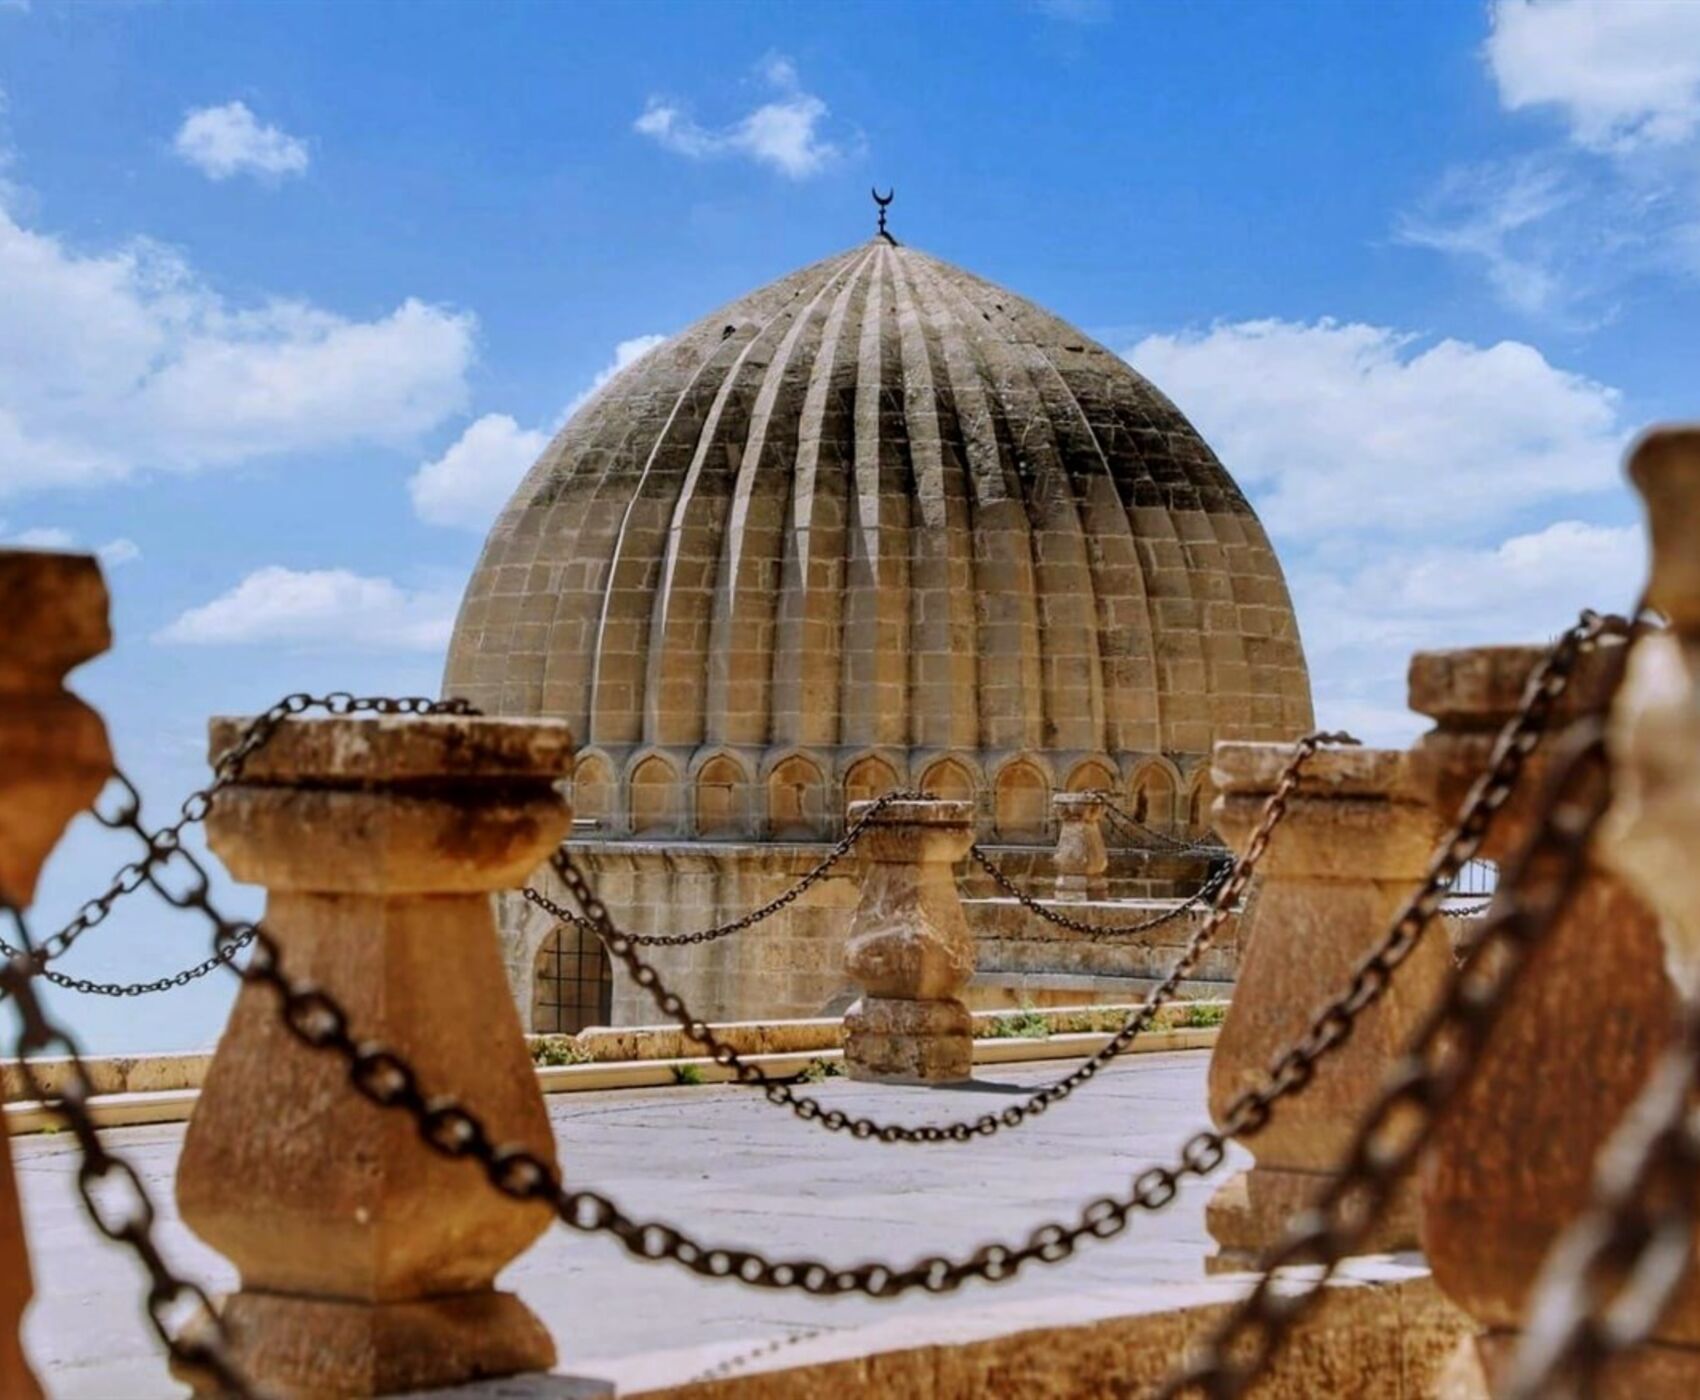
x,y
884,200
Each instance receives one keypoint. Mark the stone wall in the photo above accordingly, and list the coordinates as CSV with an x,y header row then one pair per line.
x,y
790,965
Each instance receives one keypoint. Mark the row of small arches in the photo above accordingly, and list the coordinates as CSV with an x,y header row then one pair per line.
x,y
796,802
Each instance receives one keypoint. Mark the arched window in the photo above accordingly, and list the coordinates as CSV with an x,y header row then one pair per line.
x,y
573,983
867,778
1022,802
723,799
948,778
654,803
796,800
593,792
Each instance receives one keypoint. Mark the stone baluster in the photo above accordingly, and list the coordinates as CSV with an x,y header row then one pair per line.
x,y
1511,1163
367,1261
909,947
1081,859
1652,833
54,760
1357,837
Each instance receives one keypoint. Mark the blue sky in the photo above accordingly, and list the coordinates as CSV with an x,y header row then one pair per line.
x,y
291,293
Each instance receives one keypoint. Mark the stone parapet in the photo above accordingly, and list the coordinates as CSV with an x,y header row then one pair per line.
x,y
367,1265
1511,1163
1356,839
1381,1332
1081,858
909,948
54,759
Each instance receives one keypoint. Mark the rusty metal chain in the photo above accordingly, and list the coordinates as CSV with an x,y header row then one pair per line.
x,y
385,1078
1445,1052
708,935
1174,844
118,1204
162,844
1612,1274
810,1110
1203,895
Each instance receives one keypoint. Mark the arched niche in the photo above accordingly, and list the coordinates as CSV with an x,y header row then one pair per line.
x,y
1021,802
1200,798
1151,798
796,800
593,792
654,800
868,778
723,799
948,778
1091,776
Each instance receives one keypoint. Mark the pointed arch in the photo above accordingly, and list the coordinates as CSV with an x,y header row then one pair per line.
x,y
796,800
949,778
722,791
593,792
654,798
1021,802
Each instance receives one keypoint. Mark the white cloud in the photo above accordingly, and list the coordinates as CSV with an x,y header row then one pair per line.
x,y
116,362
313,609
1362,621
1499,216
42,537
1560,231
230,140
1625,73
782,133
1342,425
473,479
113,553
627,352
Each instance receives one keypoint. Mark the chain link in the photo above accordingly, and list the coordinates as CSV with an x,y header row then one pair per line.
x,y
165,843
385,1078
111,1189
755,916
1445,1052
1120,817
1201,896
810,1110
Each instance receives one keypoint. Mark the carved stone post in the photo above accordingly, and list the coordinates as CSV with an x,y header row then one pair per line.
x,y
1512,1161
367,1261
1357,837
1652,832
909,947
1081,859
54,759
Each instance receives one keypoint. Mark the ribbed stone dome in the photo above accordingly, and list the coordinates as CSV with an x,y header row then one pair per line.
x,y
878,517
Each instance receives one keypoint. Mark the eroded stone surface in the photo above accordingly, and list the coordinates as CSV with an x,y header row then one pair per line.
x,y
909,942
1356,838
54,759
1081,857
1511,1164
338,1219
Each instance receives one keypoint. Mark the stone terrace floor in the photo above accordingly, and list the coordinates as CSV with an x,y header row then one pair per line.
x,y
726,1165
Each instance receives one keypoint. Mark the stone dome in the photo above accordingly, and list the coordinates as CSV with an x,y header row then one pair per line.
x,y
879,523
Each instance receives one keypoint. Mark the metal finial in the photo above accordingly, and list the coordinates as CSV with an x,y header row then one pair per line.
x,y
883,200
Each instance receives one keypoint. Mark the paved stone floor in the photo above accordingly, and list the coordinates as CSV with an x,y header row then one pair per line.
x,y
731,1168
